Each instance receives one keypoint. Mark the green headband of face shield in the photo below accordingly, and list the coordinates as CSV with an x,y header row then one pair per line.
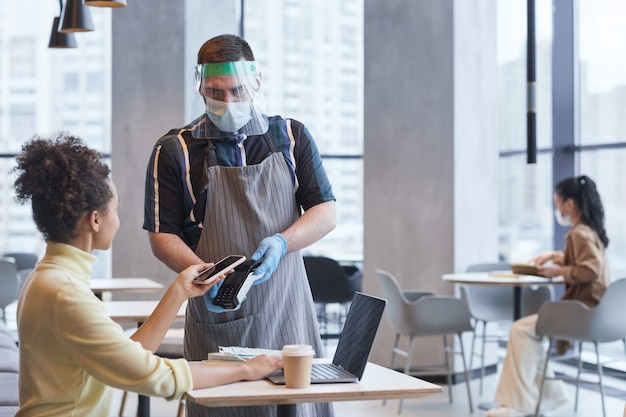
x,y
226,68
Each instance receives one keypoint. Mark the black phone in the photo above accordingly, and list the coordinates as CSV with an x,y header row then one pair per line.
x,y
236,285
224,265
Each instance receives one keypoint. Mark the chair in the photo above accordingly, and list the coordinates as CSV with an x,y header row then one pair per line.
x,y
426,315
495,304
574,321
25,264
170,347
330,284
9,285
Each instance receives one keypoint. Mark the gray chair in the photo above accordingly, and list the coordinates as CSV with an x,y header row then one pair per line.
x,y
573,321
25,264
495,304
426,315
9,285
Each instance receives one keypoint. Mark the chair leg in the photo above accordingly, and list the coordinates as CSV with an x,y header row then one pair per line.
x,y
482,359
543,377
579,370
467,377
181,408
407,366
600,379
123,403
471,362
446,352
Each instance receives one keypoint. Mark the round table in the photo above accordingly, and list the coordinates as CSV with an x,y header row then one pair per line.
x,y
502,278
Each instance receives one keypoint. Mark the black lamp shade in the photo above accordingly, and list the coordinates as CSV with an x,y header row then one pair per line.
x,y
76,17
106,3
60,40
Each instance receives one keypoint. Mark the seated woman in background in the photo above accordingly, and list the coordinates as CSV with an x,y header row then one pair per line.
x,y
71,352
584,268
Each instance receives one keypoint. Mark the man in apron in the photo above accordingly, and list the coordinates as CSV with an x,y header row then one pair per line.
x,y
235,182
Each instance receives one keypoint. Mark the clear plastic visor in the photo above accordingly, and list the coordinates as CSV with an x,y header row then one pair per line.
x,y
228,100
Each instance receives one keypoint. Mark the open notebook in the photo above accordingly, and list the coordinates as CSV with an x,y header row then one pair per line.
x,y
354,347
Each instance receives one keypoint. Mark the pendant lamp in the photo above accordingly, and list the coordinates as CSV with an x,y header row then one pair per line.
x,y
60,40
106,3
76,17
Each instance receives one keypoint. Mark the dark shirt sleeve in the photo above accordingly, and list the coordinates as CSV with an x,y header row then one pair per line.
x,y
313,184
170,196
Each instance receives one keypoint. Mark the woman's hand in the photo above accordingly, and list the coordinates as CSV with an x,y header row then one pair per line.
x,y
542,258
550,271
262,365
185,284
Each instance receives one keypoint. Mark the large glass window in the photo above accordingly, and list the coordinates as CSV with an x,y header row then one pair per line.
x,y
602,87
600,145
525,190
43,91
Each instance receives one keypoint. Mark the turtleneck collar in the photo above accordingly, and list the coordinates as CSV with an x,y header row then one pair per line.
x,y
76,262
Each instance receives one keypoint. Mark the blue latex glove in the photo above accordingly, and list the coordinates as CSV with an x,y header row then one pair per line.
x,y
270,250
209,300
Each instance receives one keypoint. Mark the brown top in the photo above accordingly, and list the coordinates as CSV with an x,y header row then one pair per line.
x,y
586,271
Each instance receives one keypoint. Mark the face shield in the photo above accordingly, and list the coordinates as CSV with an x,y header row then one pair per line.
x,y
228,100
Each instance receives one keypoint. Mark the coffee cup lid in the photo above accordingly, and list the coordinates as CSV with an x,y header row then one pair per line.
x,y
298,350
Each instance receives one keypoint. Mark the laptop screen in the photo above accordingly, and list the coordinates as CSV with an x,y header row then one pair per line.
x,y
359,331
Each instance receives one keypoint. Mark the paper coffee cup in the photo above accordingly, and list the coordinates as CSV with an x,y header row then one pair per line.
x,y
297,362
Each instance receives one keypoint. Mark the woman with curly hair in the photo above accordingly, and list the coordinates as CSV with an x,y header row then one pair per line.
x,y
71,352
584,268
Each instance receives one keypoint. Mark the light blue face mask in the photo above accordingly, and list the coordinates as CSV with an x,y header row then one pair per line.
x,y
228,117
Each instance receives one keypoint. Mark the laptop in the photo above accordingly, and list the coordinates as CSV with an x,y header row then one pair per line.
x,y
354,347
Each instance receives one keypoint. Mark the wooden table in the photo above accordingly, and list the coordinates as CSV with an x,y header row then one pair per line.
x,y
492,278
378,383
137,312
98,286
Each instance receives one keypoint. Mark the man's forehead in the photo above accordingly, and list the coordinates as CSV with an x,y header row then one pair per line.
x,y
221,81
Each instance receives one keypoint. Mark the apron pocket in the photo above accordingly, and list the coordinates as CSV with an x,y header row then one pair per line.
x,y
204,338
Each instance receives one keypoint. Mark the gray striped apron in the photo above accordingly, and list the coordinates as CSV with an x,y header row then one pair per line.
x,y
244,205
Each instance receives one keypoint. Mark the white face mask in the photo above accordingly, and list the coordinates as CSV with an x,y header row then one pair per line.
x,y
562,220
228,117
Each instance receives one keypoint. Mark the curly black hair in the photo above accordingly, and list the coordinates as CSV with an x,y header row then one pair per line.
x,y
64,179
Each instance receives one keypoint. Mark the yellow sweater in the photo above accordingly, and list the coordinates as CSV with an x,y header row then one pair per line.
x,y
71,352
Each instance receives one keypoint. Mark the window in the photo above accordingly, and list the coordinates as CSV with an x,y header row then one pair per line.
x,y
525,190
602,141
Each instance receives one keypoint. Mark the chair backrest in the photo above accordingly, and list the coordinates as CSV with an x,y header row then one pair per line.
x,y
534,297
9,285
573,320
328,280
24,260
397,311
487,302
426,314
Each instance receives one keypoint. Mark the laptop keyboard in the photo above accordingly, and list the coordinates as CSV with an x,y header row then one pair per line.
x,y
323,371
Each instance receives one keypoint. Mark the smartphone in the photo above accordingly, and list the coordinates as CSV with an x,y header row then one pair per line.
x,y
236,285
219,268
